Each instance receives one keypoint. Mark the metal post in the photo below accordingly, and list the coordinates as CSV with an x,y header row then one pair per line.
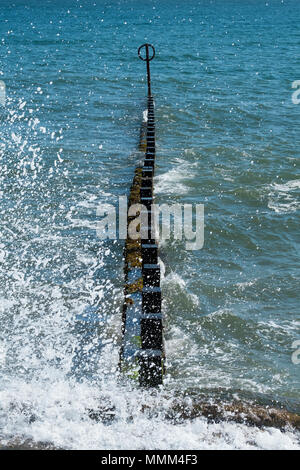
x,y
147,59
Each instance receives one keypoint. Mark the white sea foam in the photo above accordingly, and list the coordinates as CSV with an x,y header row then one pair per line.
x,y
282,198
174,281
145,115
57,412
288,186
172,181
243,285
286,326
284,207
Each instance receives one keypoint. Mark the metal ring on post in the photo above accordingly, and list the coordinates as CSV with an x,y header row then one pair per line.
x,y
146,46
147,59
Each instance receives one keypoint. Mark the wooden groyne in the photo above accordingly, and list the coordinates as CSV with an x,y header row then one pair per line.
x,y
142,353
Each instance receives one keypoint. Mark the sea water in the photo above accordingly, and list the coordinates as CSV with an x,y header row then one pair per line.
x,y
227,137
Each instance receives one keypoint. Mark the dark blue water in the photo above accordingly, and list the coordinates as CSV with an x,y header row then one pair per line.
x,y
227,137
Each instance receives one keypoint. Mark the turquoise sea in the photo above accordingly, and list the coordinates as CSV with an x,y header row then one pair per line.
x,y
227,137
